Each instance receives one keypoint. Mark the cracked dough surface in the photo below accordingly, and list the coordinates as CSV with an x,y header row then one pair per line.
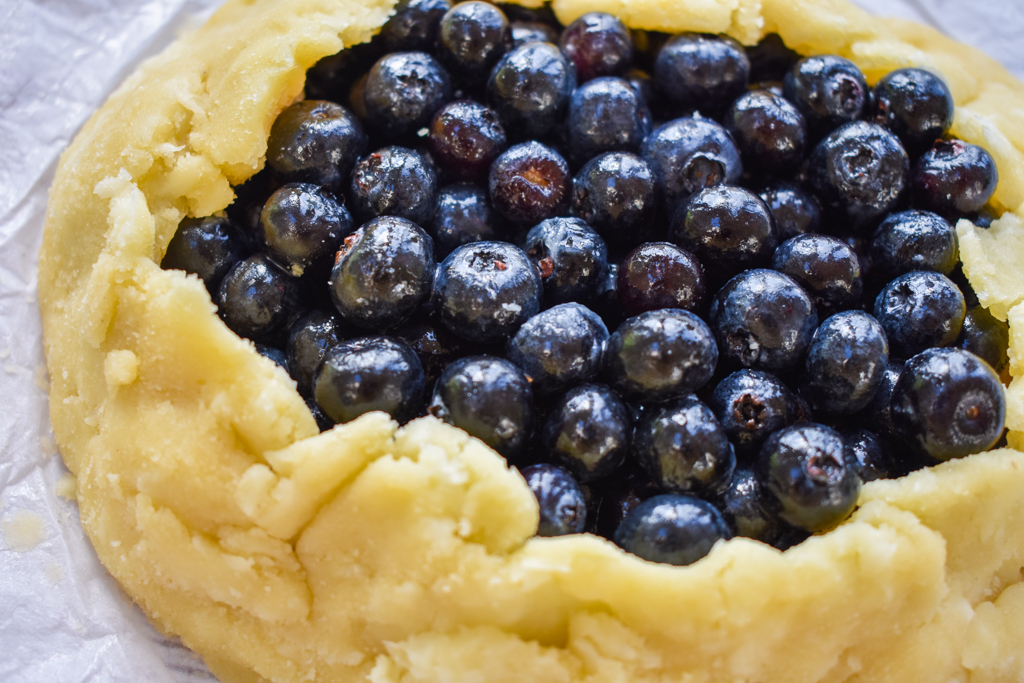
x,y
281,554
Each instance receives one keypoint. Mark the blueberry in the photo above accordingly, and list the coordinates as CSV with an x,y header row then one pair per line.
x,y
859,171
524,32
769,131
485,290
660,275
954,178
688,155
660,355
869,455
563,509
877,415
826,267
383,272
684,449
614,194
807,481
750,405
948,403
919,310
488,398
770,59
472,38
332,77
588,431
317,142
560,347
367,374
763,320
257,300
465,138
605,115
207,247
436,347
740,504
530,89
530,182
705,72
845,362
598,44
571,258
914,240
464,215
987,337
414,25
796,210
273,354
303,226
310,338
914,104
828,90
323,422
394,181
402,92
672,529
728,228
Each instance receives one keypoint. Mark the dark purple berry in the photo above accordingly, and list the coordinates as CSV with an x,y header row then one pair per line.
x,y
530,182
914,240
207,247
464,215
987,337
672,529
588,431
914,104
769,131
258,300
869,455
317,142
796,210
845,363
403,90
530,88
614,194
919,310
394,181
598,44
472,38
828,90
465,138
751,405
559,348
563,508
826,267
309,340
414,25
605,115
303,226
702,72
660,275
571,258
954,178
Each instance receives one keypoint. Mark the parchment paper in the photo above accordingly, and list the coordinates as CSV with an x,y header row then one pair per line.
x,y
62,618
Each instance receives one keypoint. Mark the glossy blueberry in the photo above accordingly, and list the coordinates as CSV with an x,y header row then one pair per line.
x,y
954,178
859,171
303,226
796,210
382,273
530,182
436,347
914,104
763,320
684,449
605,115
317,142
257,300
948,403
844,363
464,215
770,59
914,240
740,504
273,354
598,44
560,347
828,90
366,374
530,89
207,247
826,267
571,258
750,405
877,415
919,310
660,355
472,38
323,422
805,476
414,25
332,77
310,338
688,155
485,290
769,131
524,32
465,138
588,431
869,455
615,194
987,337
488,398
729,228
563,508
660,275
394,181
402,92
702,72
672,529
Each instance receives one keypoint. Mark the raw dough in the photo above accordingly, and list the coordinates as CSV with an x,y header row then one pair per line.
x,y
280,554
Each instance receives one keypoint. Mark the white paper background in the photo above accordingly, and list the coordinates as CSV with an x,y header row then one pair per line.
x,y
62,618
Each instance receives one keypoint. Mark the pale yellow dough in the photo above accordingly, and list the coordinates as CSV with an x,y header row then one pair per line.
x,y
283,555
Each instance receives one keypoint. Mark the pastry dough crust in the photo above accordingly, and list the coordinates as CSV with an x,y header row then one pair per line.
x,y
281,554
